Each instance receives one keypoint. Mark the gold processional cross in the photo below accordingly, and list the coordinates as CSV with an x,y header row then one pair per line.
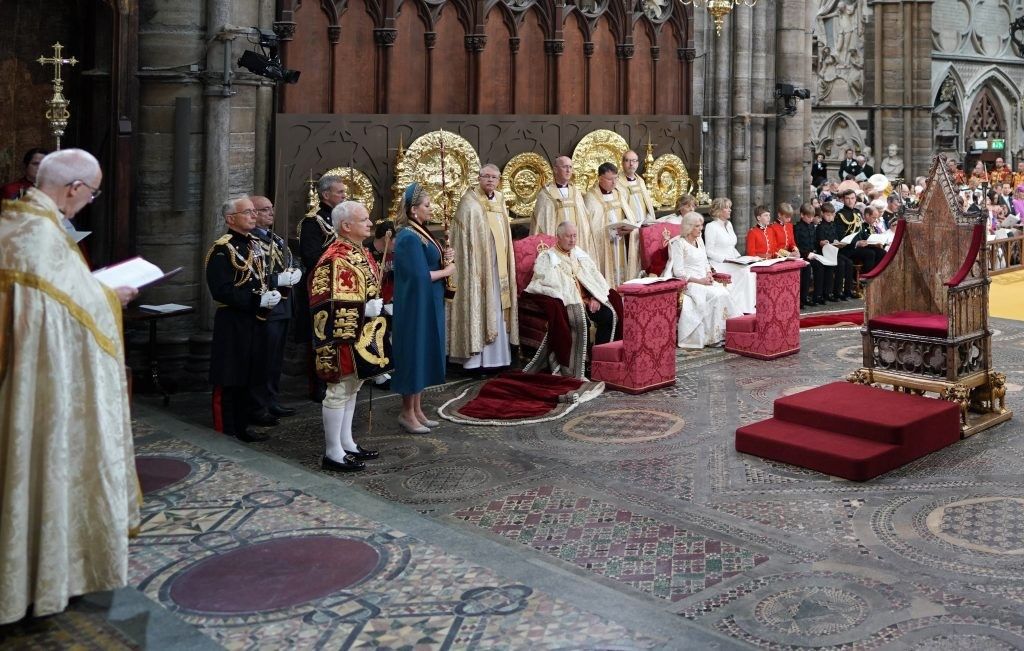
x,y
57,114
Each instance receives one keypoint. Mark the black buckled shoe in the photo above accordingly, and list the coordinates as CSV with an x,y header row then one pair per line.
x,y
361,454
350,464
281,411
263,420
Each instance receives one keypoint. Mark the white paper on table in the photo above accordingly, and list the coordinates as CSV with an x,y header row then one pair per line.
x,y
770,261
649,280
164,309
133,272
744,259
849,238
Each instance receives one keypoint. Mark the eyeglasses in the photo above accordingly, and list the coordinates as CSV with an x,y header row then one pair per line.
x,y
94,192
249,212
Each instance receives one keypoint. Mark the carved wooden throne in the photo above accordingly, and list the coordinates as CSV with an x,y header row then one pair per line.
x,y
926,310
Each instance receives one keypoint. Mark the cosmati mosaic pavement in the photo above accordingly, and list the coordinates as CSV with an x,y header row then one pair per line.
x,y
644,494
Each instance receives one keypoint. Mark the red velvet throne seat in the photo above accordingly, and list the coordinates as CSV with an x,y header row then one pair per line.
x,y
654,246
926,309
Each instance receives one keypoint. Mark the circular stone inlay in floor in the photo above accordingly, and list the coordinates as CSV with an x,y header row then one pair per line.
x,y
623,426
446,479
156,473
994,525
274,574
812,610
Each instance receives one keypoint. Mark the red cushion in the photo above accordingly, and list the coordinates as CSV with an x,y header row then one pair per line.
x,y
925,324
610,352
526,251
745,323
653,249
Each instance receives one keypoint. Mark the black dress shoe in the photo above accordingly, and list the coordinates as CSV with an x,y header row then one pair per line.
x,y
841,297
278,410
264,420
361,454
348,465
251,437
819,301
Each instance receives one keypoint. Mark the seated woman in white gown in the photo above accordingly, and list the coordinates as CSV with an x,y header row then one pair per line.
x,y
720,241
706,303
684,206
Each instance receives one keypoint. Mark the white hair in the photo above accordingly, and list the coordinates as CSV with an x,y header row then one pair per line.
x,y
228,206
65,167
690,220
344,212
560,229
325,182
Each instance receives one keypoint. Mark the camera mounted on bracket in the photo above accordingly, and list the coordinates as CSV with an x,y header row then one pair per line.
x,y
789,94
268,64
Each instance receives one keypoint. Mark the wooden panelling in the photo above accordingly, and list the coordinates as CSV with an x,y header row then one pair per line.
x,y
449,92
530,71
310,53
641,97
495,66
573,90
407,83
670,71
603,70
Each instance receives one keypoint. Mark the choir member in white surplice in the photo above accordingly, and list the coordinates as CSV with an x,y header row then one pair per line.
x,y
720,241
706,303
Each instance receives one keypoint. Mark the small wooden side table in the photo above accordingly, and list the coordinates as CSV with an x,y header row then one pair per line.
x,y
137,314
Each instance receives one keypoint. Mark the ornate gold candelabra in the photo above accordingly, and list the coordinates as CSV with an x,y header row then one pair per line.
x,y
57,113
719,9
311,202
648,174
702,197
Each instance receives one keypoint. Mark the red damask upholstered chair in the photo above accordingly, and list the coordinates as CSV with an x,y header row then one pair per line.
x,y
654,246
774,330
533,320
645,358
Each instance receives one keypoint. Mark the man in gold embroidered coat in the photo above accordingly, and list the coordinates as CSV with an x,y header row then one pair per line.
x,y
484,319
560,201
68,490
349,331
635,187
616,248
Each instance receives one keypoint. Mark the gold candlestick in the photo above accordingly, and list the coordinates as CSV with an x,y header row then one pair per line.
x,y
648,174
311,199
396,187
702,197
57,114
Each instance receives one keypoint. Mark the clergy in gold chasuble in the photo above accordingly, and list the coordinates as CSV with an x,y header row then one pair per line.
x,y
556,205
485,268
617,256
68,490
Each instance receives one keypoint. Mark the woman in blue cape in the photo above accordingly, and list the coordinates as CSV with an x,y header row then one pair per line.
x,y
418,329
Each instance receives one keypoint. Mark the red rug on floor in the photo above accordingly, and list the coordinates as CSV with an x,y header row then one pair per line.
x,y
832,320
852,431
516,397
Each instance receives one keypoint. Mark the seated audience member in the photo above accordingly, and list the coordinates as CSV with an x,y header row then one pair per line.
x,y
827,232
761,238
720,242
707,303
804,234
30,163
783,229
867,254
1018,201
568,273
684,206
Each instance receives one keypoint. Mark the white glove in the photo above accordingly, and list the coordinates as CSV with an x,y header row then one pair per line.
x,y
373,307
389,309
381,379
288,277
270,299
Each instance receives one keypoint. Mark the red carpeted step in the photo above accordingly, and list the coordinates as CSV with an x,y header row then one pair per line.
x,y
871,413
832,453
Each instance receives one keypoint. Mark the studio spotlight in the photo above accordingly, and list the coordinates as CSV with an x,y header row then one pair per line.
x,y
268,64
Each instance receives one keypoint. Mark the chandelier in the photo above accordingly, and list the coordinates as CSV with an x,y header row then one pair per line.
x,y
719,9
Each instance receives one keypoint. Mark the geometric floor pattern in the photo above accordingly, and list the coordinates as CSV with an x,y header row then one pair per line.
x,y
632,523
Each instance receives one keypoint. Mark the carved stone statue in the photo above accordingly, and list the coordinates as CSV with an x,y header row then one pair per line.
x,y
839,28
892,164
868,157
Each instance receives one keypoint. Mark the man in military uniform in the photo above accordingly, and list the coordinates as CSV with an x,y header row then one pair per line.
x,y
236,274
348,331
851,221
315,235
279,263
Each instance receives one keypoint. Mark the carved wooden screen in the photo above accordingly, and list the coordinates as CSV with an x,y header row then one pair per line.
x,y
986,118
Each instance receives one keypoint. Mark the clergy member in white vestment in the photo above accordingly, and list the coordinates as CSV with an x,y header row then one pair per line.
x,y
484,319
720,242
68,491
633,185
561,201
613,227
684,206
567,273
706,303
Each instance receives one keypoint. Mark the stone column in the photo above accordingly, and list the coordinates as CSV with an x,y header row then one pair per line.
x,y
793,66
741,109
721,67
762,89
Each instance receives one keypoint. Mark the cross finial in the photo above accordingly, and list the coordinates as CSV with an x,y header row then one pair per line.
x,y
57,61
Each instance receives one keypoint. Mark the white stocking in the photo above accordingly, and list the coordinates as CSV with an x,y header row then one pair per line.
x,y
333,423
347,441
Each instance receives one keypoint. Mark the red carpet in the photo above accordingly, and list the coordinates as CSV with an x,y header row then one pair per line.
x,y
851,430
832,320
516,396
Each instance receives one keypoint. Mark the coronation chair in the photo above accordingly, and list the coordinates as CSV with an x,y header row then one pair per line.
x,y
926,310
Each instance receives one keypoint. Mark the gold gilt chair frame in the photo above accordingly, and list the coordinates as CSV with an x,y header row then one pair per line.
x,y
937,264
